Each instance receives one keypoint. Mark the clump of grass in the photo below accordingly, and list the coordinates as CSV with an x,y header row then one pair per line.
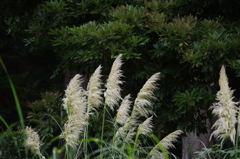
x,y
227,124
132,120
226,110
228,118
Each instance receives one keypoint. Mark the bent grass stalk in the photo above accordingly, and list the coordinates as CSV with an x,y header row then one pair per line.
x,y
227,124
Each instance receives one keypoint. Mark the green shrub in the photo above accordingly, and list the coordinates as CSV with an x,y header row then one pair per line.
x,y
47,114
12,144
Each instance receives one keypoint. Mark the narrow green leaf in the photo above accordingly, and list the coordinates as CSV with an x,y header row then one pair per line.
x,y
19,110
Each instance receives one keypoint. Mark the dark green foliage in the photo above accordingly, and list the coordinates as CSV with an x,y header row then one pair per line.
x,y
12,144
47,114
193,100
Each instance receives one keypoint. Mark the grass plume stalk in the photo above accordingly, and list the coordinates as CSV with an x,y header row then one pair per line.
x,y
75,103
143,103
121,117
160,150
113,89
33,142
226,110
124,110
145,128
94,91
95,100
141,108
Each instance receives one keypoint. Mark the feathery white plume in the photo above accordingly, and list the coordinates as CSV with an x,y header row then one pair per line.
x,y
75,96
143,102
166,143
33,141
123,111
130,134
72,128
141,108
155,153
75,103
127,131
113,92
95,98
146,127
225,110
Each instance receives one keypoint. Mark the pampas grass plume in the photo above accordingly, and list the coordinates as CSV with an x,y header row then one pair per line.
x,y
72,128
141,108
75,103
74,96
143,102
33,141
123,111
113,92
126,135
146,127
166,143
225,109
95,99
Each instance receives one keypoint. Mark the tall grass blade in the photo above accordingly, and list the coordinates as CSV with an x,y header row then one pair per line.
x,y
4,122
19,110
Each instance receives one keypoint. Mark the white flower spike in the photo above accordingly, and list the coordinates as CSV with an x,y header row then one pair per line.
x,y
33,141
225,109
113,92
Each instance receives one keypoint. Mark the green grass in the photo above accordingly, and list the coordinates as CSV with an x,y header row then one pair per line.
x,y
19,110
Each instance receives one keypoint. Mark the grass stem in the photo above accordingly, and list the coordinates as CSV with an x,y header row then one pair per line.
x,y
103,125
19,110
236,145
